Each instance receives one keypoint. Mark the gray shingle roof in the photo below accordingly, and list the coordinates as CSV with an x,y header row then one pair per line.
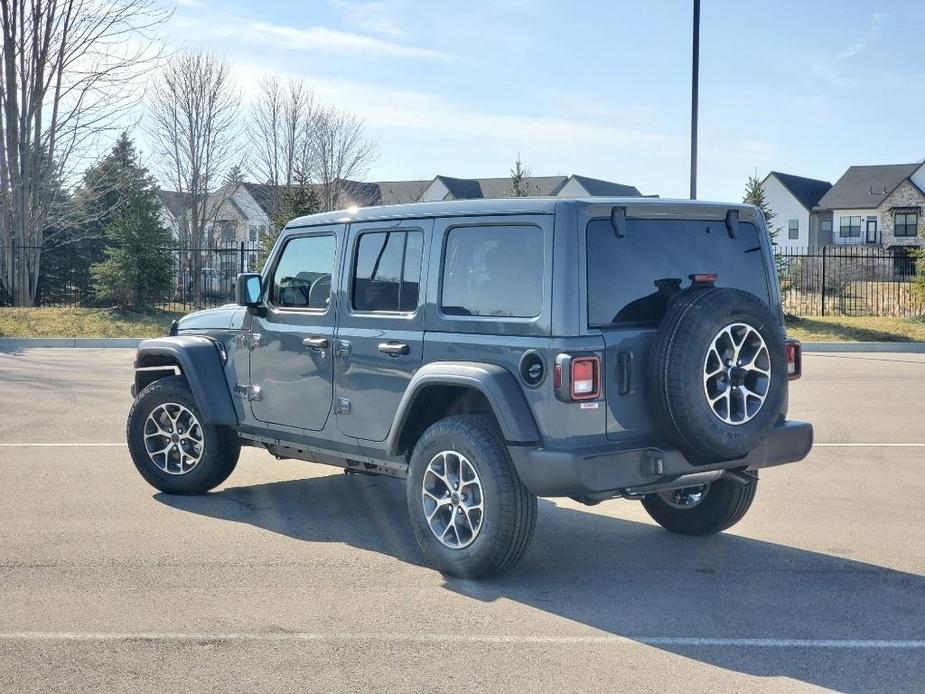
x,y
176,203
266,195
537,186
807,190
866,186
599,188
462,188
397,192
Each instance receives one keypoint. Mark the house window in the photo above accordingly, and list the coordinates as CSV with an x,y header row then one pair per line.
x,y
825,226
849,227
906,223
252,233
227,231
793,229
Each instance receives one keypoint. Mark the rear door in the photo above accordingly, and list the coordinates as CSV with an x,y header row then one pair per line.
x,y
291,363
380,334
631,281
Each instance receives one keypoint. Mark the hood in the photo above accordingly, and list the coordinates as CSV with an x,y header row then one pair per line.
x,y
227,317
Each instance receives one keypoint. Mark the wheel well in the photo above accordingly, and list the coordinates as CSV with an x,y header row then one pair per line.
x,y
145,378
438,402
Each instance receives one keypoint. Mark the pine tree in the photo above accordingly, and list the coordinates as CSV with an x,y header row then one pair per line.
x,y
233,177
519,185
138,266
754,195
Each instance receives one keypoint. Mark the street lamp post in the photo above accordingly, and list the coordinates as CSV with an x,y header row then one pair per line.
x,y
695,70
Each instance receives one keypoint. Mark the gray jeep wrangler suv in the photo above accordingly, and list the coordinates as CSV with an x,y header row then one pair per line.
x,y
489,352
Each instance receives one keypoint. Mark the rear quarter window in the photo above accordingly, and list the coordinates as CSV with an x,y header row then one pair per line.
x,y
632,279
493,271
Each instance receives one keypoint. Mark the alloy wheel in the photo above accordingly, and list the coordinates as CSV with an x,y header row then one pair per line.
x,y
451,496
173,438
737,373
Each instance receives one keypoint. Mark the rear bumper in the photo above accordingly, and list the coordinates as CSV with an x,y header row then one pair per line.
x,y
612,468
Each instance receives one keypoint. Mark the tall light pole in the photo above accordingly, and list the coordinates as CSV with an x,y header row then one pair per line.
x,y
695,70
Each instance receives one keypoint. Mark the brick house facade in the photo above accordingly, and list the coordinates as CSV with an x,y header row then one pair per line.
x,y
906,203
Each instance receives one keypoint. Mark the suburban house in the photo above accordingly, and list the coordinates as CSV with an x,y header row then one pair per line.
x,y
241,213
793,199
882,205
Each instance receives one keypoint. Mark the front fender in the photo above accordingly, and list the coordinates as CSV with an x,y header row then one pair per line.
x,y
496,383
201,365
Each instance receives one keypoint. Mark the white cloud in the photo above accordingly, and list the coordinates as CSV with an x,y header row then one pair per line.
x,y
206,24
852,51
374,17
319,38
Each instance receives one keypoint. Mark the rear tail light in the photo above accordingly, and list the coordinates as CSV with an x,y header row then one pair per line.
x,y
577,378
794,352
586,378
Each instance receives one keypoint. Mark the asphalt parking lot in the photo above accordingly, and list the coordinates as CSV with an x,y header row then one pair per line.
x,y
293,575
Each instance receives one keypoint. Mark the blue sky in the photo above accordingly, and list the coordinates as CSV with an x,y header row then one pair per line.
x,y
597,88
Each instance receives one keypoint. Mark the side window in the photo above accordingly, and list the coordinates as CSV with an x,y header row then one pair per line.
x,y
302,277
387,271
493,271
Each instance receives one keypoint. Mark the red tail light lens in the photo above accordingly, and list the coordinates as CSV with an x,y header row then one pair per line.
x,y
794,352
586,378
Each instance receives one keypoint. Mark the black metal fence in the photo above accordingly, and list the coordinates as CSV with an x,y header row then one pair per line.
x,y
850,280
853,280
65,278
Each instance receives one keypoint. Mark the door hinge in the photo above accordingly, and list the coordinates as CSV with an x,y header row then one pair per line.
x,y
342,348
253,393
249,340
342,406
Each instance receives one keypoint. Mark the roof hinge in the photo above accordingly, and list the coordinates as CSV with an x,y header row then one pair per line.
x,y
732,223
618,221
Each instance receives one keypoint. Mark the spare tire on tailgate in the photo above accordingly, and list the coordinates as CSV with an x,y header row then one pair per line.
x,y
719,373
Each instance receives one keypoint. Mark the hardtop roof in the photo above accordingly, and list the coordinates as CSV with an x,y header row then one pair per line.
x,y
636,206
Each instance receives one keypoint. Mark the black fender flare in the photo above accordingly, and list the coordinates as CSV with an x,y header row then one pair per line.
x,y
497,384
201,366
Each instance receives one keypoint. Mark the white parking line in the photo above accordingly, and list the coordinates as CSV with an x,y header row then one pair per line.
x,y
856,644
869,445
58,445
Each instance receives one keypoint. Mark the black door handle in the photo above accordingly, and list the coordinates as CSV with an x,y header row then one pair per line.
x,y
394,349
316,342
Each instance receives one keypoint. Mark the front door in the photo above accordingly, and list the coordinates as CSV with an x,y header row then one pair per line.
x,y
291,367
380,333
871,231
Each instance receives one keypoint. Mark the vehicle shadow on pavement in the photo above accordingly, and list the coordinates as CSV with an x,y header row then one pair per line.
x,y
636,580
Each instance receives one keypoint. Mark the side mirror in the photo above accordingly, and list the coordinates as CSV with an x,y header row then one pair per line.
x,y
248,289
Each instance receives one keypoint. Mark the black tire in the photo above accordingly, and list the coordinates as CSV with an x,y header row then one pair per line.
x,y
724,505
509,516
676,372
220,445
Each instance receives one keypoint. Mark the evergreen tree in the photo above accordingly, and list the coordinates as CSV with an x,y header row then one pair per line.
x,y
138,266
519,185
298,200
754,195
233,177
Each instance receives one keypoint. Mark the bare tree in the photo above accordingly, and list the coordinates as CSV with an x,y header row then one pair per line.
x,y
338,153
66,68
282,123
194,126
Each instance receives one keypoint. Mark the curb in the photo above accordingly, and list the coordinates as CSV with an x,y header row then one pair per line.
x,y
10,343
895,347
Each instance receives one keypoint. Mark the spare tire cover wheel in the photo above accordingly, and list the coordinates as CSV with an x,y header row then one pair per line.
x,y
719,373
